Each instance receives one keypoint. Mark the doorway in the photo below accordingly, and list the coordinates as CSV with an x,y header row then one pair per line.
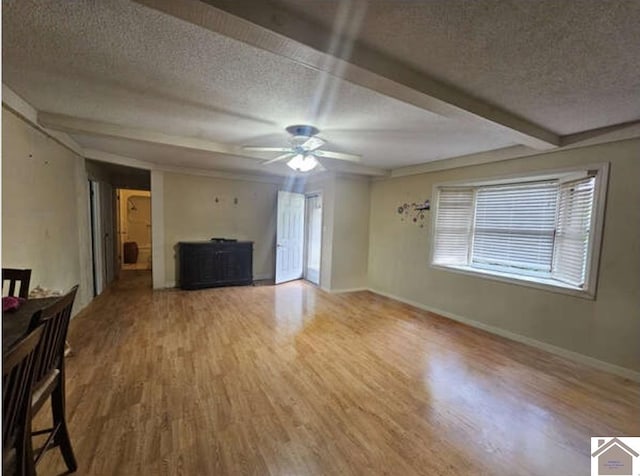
x,y
313,237
298,237
102,228
134,229
290,237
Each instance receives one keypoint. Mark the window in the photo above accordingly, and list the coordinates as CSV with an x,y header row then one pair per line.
x,y
537,230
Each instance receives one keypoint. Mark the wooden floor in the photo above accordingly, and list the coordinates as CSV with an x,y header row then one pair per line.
x,y
290,380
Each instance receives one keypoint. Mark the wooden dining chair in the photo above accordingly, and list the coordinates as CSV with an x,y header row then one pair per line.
x,y
17,276
49,379
17,376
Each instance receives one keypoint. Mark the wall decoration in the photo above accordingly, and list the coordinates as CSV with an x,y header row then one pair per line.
x,y
414,212
224,200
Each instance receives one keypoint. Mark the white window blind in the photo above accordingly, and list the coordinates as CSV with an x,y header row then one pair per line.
x,y
514,227
543,232
573,228
453,226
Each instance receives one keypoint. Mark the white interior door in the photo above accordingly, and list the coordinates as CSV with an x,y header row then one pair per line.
x,y
290,237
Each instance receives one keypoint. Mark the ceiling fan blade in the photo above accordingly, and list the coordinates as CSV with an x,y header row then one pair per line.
x,y
337,155
280,157
266,149
312,143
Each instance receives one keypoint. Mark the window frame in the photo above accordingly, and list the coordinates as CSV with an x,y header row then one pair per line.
x,y
588,291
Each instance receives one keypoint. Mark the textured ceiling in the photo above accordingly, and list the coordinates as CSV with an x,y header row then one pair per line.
x,y
126,64
567,65
114,61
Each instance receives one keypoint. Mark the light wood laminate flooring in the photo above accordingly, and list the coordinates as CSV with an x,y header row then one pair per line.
x,y
290,380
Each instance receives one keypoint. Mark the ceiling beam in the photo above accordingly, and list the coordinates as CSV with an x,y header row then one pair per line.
x,y
615,133
102,156
273,28
468,160
75,125
342,166
627,130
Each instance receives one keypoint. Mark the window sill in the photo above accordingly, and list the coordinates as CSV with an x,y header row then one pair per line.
x,y
545,284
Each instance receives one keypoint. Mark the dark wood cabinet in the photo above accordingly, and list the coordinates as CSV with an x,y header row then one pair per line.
x,y
206,264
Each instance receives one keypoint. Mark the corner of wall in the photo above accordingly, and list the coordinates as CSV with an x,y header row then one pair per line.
x,y
157,229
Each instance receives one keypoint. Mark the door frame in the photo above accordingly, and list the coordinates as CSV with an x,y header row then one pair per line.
x,y
93,226
307,196
102,203
118,224
97,242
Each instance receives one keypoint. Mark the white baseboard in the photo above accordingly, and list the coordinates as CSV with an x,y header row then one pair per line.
x,y
575,356
346,290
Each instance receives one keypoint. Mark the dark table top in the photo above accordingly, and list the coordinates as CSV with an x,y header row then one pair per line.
x,y
16,323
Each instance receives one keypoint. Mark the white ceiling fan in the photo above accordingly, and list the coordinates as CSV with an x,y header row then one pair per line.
x,y
304,151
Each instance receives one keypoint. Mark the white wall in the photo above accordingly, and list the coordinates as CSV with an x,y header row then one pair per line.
x,y
350,249
157,231
345,230
192,213
607,328
45,209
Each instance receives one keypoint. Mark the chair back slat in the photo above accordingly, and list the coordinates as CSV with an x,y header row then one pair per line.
x,y
17,375
17,276
55,323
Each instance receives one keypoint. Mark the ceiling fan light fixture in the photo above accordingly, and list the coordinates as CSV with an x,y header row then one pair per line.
x,y
302,130
304,151
303,163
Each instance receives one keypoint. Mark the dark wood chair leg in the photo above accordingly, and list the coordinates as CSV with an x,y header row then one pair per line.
x,y
62,438
27,462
